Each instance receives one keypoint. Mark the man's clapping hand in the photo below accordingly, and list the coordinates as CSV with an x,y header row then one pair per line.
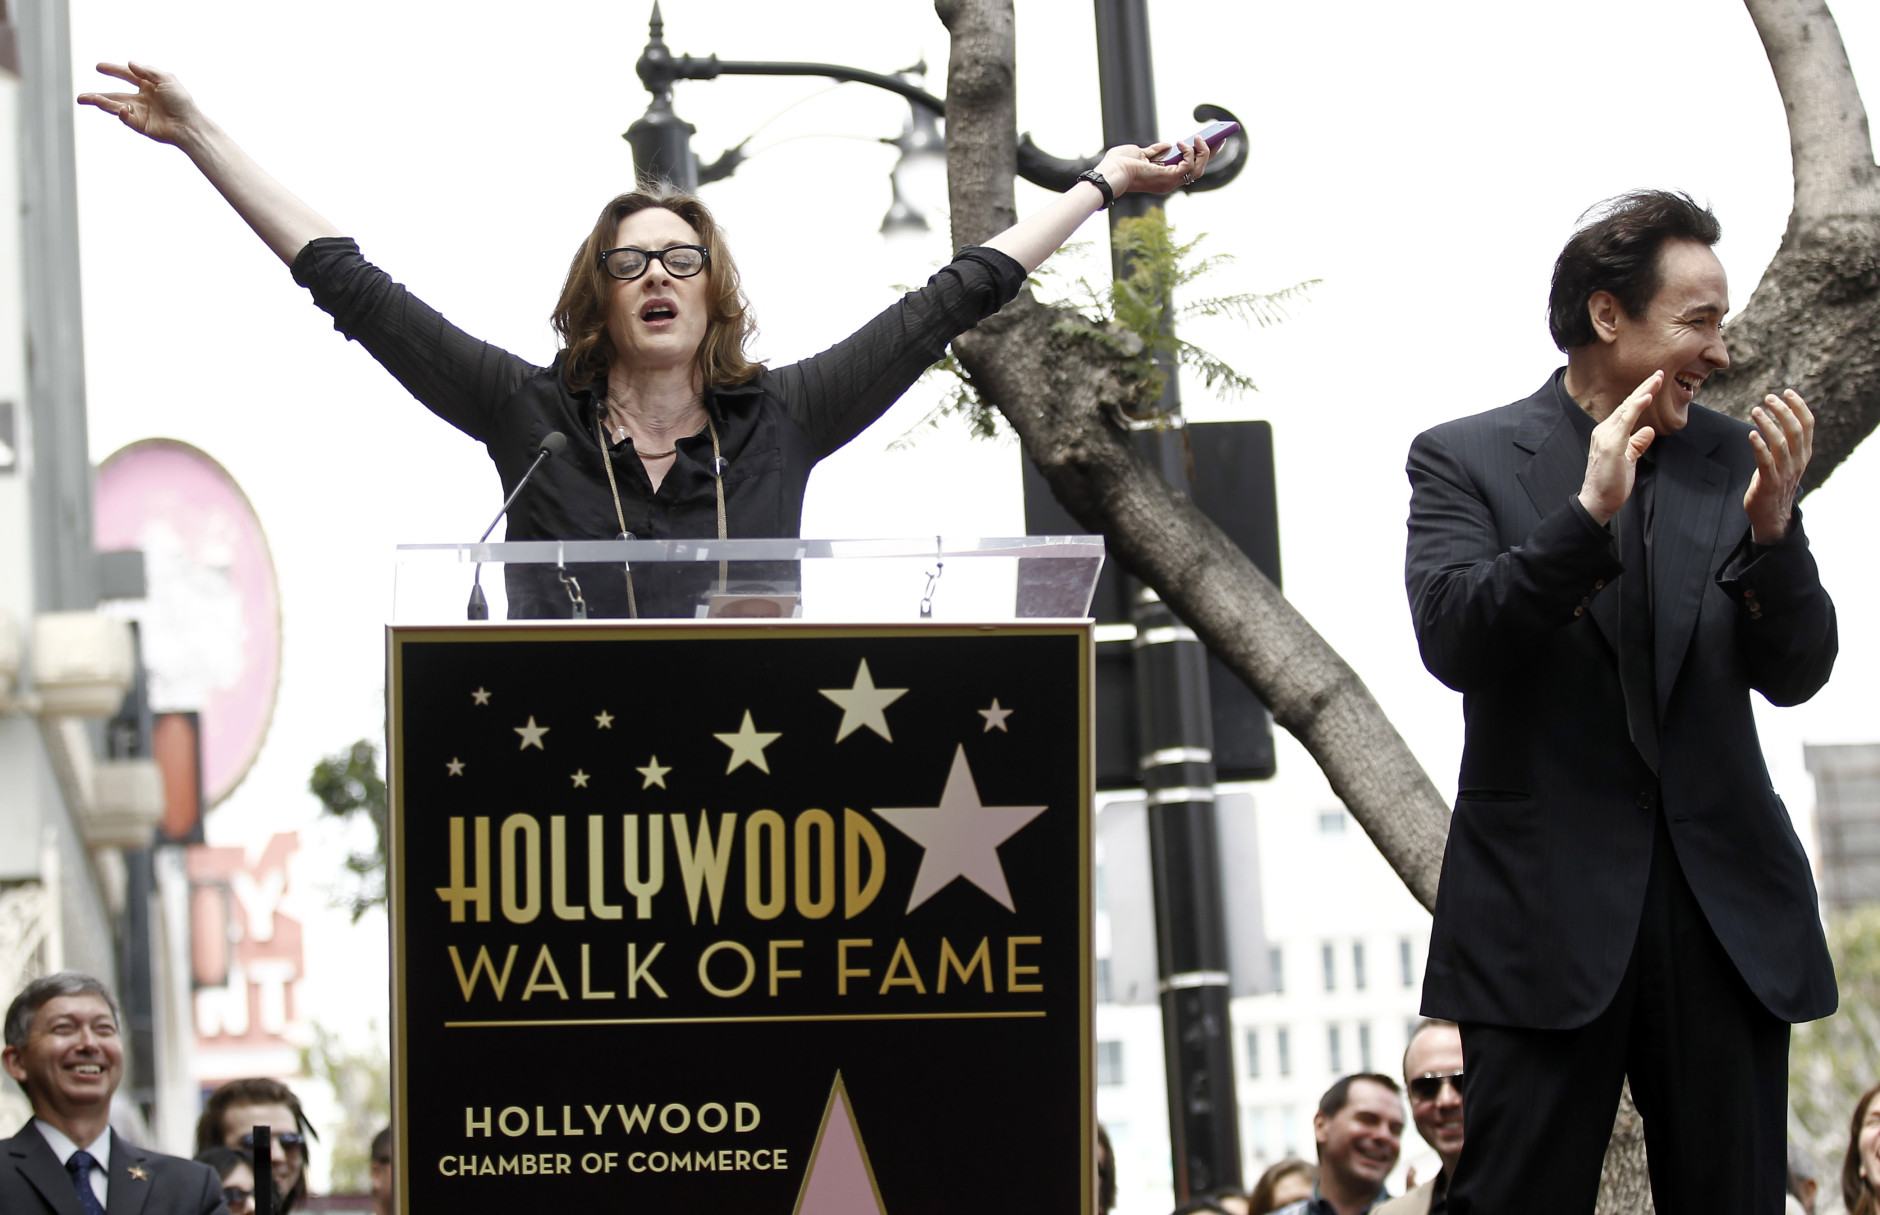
x,y
1784,440
1612,460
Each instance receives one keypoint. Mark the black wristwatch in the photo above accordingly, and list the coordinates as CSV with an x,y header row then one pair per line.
x,y
1097,179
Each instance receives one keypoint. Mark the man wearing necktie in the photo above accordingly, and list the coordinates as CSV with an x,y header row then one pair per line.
x,y
63,1049
1606,570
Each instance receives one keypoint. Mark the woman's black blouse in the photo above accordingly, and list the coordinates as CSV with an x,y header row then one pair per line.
x,y
772,430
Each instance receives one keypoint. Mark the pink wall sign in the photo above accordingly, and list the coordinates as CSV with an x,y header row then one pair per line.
x,y
211,624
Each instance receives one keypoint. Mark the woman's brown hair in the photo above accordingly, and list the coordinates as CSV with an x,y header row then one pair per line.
x,y
1857,1192
1260,1201
580,316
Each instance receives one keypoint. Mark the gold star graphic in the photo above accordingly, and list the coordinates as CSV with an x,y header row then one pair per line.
x,y
995,716
603,720
747,746
863,704
579,778
481,696
531,735
138,1174
455,765
654,773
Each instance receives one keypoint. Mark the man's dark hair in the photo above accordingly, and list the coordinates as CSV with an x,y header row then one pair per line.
x,y
1618,252
1339,1095
1106,1172
382,1147
40,992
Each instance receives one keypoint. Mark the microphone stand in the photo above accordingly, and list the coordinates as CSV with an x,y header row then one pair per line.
x,y
479,607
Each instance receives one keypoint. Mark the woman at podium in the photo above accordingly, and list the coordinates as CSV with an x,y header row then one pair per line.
x,y
670,430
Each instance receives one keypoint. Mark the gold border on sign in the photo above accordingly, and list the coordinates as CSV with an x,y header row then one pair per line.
x,y
1086,898
399,636
919,1016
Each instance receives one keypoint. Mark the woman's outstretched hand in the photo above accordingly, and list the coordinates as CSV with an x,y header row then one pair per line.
x,y
1129,168
161,108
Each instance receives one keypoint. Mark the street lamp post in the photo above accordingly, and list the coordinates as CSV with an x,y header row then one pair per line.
x,y
1175,724
662,147
1171,673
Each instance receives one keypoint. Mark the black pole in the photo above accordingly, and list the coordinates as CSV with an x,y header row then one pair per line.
x,y
1177,736
127,736
263,1166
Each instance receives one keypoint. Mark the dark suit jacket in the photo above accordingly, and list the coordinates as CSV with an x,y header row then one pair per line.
x,y
1514,597
33,1182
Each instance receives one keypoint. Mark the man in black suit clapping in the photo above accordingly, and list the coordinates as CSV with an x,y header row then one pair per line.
x,y
63,1049
1606,570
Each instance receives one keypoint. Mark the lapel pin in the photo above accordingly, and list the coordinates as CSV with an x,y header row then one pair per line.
x,y
138,1174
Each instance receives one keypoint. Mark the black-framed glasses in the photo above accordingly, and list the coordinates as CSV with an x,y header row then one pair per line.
x,y
681,261
1430,1086
234,1196
289,1140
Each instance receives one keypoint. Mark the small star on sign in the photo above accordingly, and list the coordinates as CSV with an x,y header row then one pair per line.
x,y
863,704
654,773
747,746
995,716
579,778
481,696
455,765
138,1174
603,720
531,735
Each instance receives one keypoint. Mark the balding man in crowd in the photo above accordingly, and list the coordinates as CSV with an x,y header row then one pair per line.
x,y
1359,1132
1432,1075
63,1049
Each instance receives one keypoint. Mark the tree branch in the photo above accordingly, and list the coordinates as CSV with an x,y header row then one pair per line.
x,y
1813,323
1829,139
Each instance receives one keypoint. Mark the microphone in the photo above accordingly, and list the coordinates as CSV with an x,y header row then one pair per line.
x,y
553,444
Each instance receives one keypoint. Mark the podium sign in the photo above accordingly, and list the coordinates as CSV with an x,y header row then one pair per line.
x,y
793,917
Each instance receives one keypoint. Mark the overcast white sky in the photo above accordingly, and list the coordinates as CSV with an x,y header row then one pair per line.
x,y
1426,161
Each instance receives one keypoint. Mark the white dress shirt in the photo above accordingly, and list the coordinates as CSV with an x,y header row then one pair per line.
x,y
100,1149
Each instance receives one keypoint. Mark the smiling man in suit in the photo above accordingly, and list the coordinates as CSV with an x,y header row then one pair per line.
x,y
1606,570
63,1049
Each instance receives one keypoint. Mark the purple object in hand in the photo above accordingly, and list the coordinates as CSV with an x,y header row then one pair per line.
x,y
1213,135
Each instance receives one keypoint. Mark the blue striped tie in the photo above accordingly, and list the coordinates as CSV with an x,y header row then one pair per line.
x,y
80,1166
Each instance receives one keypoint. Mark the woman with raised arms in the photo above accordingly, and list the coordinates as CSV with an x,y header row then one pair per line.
x,y
671,430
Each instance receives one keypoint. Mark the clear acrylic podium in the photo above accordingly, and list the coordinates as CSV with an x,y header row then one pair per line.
x,y
938,578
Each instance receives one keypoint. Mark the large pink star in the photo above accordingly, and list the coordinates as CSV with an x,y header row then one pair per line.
x,y
961,836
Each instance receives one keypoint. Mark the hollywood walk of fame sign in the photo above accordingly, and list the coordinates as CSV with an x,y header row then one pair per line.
x,y
691,915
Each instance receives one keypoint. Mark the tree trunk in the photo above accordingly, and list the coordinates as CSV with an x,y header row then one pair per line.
x,y
1813,324
1625,1184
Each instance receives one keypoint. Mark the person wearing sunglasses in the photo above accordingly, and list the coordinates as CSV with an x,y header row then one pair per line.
x,y
672,430
1432,1076
232,1113
238,1179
